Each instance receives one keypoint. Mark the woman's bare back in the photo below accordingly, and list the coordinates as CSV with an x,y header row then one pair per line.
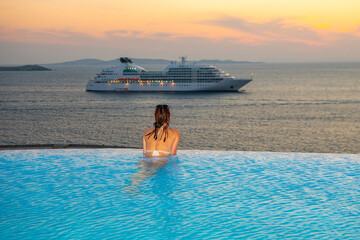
x,y
157,147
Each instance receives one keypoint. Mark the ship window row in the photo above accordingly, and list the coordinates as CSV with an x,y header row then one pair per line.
x,y
159,81
207,71
192,70
194,79
180,76
152,76
131,73
162,81
171,80
183,78
101,81
166,78
205,75
178,73
206,81
159,85
180,69
182,81
189,73
195,74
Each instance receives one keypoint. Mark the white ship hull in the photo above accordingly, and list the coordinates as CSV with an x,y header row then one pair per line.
x,y
224,85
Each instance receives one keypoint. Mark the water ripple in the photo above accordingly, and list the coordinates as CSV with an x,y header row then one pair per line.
x,y
113,194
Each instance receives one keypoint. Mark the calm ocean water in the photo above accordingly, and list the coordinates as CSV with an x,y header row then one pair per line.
x,y
309,107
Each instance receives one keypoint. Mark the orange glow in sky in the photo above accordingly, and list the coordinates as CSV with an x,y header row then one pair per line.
x,y
109,23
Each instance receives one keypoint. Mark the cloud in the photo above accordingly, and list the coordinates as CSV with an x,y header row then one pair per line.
x,y
357,31
254,34
117,33
61,45
45,36
122,33
140,34
276,30
164,35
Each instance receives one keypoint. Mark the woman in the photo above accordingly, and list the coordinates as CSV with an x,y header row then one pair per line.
x,y
161,140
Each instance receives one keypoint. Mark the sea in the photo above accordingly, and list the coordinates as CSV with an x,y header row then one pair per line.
x,y
288,107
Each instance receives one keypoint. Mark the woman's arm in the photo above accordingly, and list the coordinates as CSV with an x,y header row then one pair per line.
x,y
175,144
144,144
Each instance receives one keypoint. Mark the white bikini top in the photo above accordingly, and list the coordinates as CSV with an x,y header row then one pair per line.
x,y
155,153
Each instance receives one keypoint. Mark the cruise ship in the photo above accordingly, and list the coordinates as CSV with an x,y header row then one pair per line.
x,y
175,77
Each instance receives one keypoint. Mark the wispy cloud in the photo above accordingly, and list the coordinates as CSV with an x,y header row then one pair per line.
x,y
140,34
45,36
116,39
277,30
270,41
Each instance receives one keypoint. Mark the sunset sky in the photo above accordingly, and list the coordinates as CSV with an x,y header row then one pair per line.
x,y
48,31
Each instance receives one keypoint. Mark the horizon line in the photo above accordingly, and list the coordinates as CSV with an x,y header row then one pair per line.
x,y
163,59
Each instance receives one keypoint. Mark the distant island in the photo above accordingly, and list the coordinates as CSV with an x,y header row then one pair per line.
x,y
142,61
25,68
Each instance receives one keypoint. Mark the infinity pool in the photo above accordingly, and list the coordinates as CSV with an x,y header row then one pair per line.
x,y
116,194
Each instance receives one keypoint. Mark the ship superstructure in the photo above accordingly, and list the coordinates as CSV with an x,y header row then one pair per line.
x,y
128,76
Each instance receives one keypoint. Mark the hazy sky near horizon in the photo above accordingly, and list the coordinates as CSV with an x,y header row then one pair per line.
x,y
49,31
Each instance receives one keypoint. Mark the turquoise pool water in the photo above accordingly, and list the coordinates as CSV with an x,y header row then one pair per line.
x,y
115,194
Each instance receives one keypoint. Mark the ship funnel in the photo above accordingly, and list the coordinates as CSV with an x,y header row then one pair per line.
x,y
125,60
183,58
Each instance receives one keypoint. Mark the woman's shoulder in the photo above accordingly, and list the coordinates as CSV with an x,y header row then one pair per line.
x,y
147,131
175,131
